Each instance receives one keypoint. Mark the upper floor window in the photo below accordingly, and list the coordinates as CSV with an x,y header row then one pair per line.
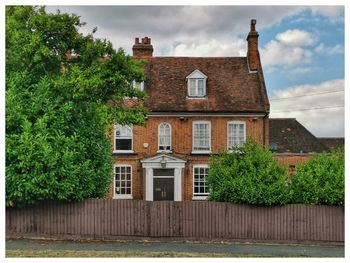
x,y
138,85
201,137
196,84
164,137
236,134
123,138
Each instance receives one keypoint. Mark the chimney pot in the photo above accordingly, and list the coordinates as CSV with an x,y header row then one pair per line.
x,y
252,25
143,49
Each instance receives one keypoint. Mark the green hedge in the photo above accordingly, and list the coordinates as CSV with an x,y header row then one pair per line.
x,y
321,180
250,175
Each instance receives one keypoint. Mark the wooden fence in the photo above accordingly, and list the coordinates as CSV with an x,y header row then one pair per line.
x,y
197,220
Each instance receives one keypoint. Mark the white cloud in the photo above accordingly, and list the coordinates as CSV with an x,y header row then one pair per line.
x,y
295,37
277,53
322,49
321,122
301,70
213,48
332,12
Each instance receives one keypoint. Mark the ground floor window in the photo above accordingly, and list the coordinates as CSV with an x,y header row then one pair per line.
x,y
200,186
122,181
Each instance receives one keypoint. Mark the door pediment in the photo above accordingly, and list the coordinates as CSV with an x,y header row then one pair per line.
x,y
159,159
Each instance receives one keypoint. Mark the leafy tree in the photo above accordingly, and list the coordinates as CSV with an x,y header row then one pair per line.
x,y
247,175
63,90
321,180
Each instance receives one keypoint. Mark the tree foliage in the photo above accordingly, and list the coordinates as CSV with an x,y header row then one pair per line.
x,y
58,110
247,175
320,180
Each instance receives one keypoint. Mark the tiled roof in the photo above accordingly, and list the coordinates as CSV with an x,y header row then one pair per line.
x,y
332,142
230,86
290,136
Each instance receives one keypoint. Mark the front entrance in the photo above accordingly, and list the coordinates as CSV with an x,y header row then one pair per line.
x,y
163,184
163,177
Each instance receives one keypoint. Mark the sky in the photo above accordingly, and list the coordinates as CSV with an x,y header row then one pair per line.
x,y
301,48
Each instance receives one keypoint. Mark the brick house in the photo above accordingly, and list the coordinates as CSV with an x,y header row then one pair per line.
x,y
292,143
198,106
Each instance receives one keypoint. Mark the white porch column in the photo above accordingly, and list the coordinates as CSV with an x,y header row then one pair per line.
x,y
149,184
177,184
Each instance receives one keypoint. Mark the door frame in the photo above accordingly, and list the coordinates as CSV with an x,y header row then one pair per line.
x,y
157,162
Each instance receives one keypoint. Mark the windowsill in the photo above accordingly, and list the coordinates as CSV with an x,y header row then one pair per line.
x,y
122,197
201,152
199,197
195,98
164,151
123,151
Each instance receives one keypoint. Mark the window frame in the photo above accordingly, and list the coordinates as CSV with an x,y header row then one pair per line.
x,y
199,196
196,88
193,139
142,85
122,196
228,137
197,75
115,138
170,135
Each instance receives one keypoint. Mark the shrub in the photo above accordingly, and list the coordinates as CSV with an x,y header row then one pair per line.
x,y
248,175
58,110
321,180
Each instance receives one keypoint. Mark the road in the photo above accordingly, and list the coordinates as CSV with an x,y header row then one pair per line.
x,y
238,248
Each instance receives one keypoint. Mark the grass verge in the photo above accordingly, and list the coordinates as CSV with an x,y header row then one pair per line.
x,y
28,253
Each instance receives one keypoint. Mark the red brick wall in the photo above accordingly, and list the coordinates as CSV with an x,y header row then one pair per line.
x,y
182,133
291,160
181,145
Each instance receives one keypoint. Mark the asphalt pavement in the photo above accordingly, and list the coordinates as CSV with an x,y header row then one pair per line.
x,y
275,250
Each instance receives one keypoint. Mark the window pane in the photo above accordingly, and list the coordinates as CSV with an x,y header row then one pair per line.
x,y
201,136
123,130
236,134
123,144
200,83
138,85
192,87
164,136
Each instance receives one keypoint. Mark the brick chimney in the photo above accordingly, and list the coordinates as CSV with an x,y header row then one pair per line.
x,y
142,49
253,51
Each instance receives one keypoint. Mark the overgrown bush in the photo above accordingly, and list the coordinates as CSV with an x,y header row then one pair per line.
x,y
321,180
58,109
248,175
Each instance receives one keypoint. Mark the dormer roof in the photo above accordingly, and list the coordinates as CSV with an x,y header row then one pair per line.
x,y
197,74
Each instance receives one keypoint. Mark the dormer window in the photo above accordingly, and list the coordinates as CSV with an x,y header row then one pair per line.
x,y
138,85
196,84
